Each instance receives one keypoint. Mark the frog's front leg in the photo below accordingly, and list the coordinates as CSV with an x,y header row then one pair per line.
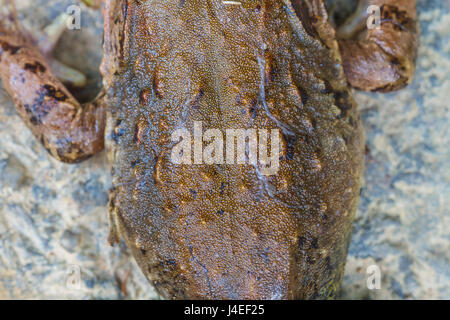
x,y
70,131
380,59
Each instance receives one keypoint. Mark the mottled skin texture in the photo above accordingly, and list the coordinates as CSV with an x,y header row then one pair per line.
x,y
217,231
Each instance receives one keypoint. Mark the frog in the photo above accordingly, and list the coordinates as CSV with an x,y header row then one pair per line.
x,y
222,231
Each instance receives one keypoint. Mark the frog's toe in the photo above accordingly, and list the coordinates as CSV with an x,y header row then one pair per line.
x,y
67,74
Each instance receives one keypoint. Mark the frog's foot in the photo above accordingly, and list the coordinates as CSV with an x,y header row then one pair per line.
x,y
380,59
71,132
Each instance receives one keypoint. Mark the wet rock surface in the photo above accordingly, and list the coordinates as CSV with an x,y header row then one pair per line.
x,y
53,217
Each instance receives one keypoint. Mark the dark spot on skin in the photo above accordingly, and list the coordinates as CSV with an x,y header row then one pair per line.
x,y
144,97
252,109
346,139
6,47
134,163
316,292
306,243
222,188
198,98
42,140
171,262
303,95
385,88
34,120
136,133
395,61
27,108
115,135
35,67
156,85
193,192
70,152
181,3
155,161
290,144
271,72
398,64
343,102
352,122
117,131
314,243
328,265
265,255
40,108
56,93
328,88
301,242
143,252
367,150
258,8
220,212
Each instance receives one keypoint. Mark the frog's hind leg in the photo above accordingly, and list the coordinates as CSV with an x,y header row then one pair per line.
x,y
380,59
70,131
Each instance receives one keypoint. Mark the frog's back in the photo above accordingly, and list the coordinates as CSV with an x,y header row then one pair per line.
x,y
227,231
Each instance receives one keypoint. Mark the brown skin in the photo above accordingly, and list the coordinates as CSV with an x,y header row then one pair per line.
x,y
216,231
381,59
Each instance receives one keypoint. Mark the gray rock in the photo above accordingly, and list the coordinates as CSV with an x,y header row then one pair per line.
x,y
53,217
403,220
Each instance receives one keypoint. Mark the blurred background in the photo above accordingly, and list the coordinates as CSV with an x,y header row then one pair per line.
x,y
53,217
